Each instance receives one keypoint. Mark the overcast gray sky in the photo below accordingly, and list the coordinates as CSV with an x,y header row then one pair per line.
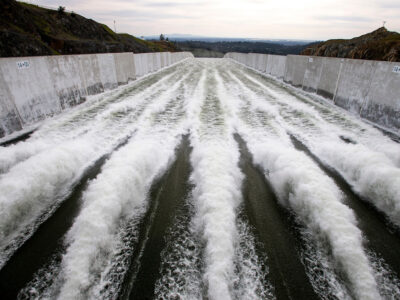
x,y
301,19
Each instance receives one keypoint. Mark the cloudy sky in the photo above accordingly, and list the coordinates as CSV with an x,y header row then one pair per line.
x,y
278,19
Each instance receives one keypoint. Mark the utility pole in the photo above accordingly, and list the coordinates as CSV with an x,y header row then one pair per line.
x,y
384,22
115,28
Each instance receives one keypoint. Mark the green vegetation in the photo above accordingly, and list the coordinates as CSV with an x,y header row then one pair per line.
x,y
380,44
218,49
109,30
61,10
27,29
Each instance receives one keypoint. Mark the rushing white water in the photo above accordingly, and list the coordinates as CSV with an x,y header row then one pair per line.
x,y
120,193
89,116
250,275
23,209
217,181
181,259
217,194
365,162
117,193
211,250
302,186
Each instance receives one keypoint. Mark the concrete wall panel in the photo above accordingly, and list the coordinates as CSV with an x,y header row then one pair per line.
x,y
9,118
31,87
370,89
107,71
329,77
261,64
124,67
67,80
276,65
312,74
90,73
382,104
296,66
354,84
141,64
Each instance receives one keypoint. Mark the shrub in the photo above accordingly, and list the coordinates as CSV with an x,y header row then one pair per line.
x,y
61,10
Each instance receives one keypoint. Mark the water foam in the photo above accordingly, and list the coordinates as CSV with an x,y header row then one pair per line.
x,y
119,194
93,115
361,164
217,180
303,187
34,188
251,272
181,265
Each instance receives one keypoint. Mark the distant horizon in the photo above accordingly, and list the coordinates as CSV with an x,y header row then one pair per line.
x,y
183,36
247,19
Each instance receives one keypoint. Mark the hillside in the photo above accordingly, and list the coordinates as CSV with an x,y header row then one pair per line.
x,y
380,44
27,29
218,49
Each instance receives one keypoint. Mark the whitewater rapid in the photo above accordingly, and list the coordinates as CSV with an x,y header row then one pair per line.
x,y
200,115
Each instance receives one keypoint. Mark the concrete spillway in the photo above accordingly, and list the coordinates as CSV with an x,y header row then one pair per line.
x,y
205,180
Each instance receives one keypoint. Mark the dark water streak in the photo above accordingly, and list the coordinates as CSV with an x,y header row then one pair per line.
x,y
19,138
48,239
382,237
166,197
275,229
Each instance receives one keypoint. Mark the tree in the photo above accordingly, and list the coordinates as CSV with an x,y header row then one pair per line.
x,y
162,38
61,10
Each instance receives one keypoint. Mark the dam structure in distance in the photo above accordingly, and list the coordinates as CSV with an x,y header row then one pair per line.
x,y
204,180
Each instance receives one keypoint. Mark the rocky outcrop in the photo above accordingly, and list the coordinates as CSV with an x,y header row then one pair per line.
x,y
380,44
27,30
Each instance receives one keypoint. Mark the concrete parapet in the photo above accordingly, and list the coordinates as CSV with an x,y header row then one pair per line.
x,y
124,67
107,71
327,79
312,74
261,64
295,69
370,89
34,88
252,60
382,104
9,116
354,84
30,87
141,64
68,79
276,65
90,72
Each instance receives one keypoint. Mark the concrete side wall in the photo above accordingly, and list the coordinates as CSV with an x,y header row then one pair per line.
x,y
31,88
34,88
354,84
124,67
266,63
68,79
276,65
370,89
9,117
90,74
107,70
312,74
329,76
382,104
295,69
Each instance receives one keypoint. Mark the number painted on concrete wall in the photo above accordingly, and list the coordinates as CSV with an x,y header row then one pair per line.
x,y
23,64
396,69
